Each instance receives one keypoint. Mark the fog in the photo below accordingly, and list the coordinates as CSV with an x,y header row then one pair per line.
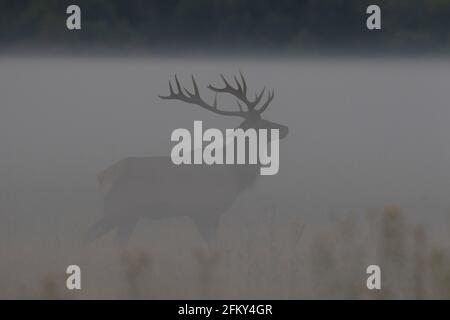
x,y
364,133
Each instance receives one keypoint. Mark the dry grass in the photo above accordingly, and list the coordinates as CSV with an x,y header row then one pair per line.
x,y
273,257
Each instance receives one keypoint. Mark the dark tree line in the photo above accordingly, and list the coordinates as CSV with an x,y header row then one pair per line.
x,y
228,23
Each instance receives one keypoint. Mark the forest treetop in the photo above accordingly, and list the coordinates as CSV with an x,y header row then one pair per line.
x,y
273,24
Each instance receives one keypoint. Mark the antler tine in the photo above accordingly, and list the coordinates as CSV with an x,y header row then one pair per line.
x,y
196,93
240,106
171,93
225,80
194,83
244,83
239,87
258,98
215,101
268,101
180,91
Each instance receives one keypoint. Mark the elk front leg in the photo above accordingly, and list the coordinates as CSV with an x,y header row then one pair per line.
x,y
125,230
208,226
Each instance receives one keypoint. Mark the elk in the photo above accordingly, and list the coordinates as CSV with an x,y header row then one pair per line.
x,y
156,188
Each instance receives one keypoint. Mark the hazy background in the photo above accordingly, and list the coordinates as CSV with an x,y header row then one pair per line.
x,y
364,172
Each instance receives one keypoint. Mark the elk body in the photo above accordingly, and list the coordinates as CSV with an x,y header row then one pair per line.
x,y
155,188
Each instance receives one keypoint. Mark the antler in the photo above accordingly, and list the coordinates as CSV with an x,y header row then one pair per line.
x,y
240,92
194,98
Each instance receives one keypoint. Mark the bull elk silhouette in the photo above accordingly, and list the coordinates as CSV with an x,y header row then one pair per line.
x,y
154,187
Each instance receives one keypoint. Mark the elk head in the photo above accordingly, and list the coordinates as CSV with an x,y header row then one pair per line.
x,y
249,109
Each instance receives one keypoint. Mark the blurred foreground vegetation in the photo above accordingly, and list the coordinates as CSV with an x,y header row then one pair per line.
x,y
274,258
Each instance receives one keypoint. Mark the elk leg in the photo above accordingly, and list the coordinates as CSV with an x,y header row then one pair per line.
x,y
208,227
124,231
100,228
